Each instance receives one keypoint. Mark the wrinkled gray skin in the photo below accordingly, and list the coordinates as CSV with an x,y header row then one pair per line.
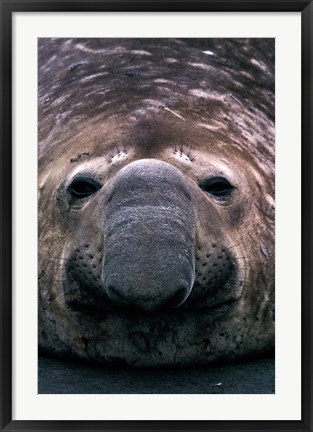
x,y
153,269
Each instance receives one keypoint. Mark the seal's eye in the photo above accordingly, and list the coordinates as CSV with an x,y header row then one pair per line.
x,y
217,186
83,187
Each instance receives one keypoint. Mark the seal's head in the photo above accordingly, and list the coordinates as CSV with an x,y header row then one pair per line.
x,y
156,208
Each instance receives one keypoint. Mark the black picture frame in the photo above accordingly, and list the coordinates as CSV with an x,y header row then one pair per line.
x,y
7,9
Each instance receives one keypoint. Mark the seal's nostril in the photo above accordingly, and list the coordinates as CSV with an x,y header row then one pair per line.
x,y
176,299
114,295
124,298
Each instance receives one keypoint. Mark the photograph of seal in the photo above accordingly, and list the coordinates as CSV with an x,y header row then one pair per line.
x,y
156,209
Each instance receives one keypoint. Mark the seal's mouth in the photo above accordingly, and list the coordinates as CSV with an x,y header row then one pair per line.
x,y
99,305
133,315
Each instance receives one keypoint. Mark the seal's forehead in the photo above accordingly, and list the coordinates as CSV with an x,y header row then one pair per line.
x,y
161,91
85,77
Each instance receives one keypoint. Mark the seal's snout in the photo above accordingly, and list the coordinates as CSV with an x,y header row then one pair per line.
x,y
170,299
149,237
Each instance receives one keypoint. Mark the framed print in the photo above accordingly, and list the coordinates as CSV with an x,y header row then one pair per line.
x,y
156,215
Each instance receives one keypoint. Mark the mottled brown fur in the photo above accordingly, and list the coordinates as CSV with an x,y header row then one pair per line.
x,y
104,105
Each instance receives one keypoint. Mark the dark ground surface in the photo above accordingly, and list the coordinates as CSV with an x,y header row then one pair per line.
x,y
61,377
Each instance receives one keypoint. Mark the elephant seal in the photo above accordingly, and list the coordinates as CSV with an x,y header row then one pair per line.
x,y
156,200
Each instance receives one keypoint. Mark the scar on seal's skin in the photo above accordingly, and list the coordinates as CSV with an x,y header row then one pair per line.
x,y
81,156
